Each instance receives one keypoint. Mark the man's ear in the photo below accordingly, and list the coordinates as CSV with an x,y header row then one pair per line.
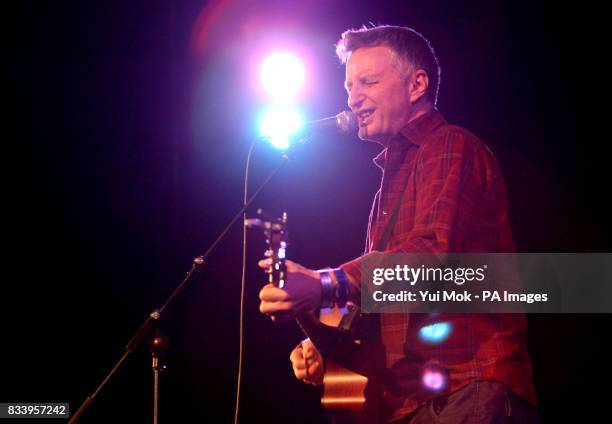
x,y
417,85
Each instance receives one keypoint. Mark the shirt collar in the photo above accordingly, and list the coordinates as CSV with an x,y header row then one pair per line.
x,y
415,132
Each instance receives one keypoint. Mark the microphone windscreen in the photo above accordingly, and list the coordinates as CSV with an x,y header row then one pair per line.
x,y
347,122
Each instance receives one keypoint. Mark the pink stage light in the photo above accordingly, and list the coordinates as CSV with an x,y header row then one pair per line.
x,y
434,379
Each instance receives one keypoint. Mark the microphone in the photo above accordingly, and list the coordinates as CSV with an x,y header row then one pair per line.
x,y
344,123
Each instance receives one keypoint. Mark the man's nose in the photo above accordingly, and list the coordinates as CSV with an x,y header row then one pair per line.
x,y
355,99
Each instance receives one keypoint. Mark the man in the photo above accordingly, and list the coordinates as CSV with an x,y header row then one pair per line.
x,y
441,191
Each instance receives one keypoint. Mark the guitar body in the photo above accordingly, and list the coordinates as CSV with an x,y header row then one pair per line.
x,y
343,398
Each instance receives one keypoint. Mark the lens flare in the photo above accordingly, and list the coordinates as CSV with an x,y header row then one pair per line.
x,y
282,75
434,378
435,333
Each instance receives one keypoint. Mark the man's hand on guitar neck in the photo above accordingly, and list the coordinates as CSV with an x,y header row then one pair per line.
x,y
301,294
307,363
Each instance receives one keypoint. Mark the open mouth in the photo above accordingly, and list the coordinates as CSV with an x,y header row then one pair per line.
x,y
365,117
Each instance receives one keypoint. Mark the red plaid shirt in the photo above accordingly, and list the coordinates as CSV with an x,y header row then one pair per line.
x,y
451,198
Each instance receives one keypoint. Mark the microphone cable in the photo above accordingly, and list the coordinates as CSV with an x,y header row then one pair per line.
x,y
242,286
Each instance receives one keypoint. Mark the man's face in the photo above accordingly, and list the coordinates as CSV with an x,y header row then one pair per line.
x,y
378,93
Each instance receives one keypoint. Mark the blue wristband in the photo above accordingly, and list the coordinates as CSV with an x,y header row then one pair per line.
x,y
341,290
327,290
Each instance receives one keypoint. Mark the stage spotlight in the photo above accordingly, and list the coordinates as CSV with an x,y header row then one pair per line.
x,y
282,75
278,124
435,333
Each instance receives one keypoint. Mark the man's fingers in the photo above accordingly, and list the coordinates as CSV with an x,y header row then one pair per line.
x,y
304,370
302,293
291,266
308,350
307,363
276,311
270,293
299,365
275,302
300,374
314,375
276,308
265,263
296,355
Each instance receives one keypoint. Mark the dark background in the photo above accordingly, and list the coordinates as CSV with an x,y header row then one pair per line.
x,y
133,124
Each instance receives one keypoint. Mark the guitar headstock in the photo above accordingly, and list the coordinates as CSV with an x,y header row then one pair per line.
x,y
275,230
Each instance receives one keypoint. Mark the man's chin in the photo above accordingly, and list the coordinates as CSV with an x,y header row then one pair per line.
x,y
367,135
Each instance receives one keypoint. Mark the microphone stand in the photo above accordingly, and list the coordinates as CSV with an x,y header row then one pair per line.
x,y
148,330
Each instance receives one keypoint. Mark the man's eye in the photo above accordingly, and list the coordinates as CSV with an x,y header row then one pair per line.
x,y
370,82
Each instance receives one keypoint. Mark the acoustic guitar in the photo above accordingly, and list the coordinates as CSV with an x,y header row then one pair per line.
x,y
343,398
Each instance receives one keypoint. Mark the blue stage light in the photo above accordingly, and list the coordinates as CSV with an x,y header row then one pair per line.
x,y
278,124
